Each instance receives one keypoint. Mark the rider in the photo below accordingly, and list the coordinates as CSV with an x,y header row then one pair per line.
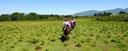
x,y
66,28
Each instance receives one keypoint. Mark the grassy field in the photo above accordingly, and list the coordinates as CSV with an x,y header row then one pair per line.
x,y
88,35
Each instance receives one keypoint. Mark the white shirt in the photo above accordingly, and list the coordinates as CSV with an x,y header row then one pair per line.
x,y
67,23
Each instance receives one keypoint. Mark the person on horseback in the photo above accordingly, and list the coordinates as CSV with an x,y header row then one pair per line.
x,y
66,28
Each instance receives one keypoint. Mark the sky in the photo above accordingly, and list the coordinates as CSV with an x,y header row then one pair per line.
x,y
61,7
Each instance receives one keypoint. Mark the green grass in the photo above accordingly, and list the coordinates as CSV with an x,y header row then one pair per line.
x,y
88,35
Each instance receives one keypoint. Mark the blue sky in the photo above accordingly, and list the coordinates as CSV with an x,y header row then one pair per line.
x,y
62,7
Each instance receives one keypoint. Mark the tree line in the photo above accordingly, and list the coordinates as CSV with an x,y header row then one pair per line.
x,y
103,16
121,16
16,16
108,13
107,16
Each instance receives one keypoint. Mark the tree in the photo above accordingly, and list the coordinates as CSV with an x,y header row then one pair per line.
x,y
14,16
122,13
103,14
68,16
106,13
109,14
43,16
32,16
98,14
4,17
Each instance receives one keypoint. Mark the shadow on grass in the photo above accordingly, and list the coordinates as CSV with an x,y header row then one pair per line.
x,y
38,48
63,39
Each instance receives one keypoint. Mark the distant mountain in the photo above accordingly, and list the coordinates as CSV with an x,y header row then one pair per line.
x,y
92,12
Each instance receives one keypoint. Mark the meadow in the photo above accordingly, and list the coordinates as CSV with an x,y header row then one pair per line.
x,y
88,35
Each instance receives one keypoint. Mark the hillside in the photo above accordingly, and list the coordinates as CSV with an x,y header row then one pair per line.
x,y
92,12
